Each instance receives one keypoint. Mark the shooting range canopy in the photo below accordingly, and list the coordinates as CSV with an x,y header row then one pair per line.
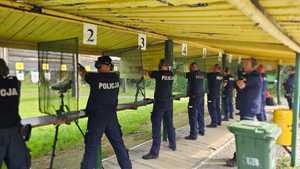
x,y
266,29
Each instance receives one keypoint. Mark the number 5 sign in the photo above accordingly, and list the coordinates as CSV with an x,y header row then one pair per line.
x,y
142,41
89,34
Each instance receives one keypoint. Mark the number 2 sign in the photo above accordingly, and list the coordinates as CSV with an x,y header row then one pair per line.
x,y
142,41
89,34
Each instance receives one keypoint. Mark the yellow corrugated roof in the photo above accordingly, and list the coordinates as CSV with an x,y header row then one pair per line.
x,y
219,25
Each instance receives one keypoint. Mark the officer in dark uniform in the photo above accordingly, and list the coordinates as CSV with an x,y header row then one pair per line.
x,y
13,151
214,81
251,88
196,101
241,76
162,108
228,83
263,115
102,117
289,86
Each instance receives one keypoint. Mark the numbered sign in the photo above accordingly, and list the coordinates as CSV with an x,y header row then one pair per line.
x,y
220,56
63,67
142,41
45,66
240,60
19,66
229,58
89,34
34,77
269,67
47,76
184,49
204,52
20,75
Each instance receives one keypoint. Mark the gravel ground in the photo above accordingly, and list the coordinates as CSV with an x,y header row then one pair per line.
x,y
218,161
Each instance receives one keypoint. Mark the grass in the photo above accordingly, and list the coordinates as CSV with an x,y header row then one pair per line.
x,y
136,124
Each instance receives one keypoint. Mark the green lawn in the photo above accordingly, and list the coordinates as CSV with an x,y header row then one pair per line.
x,y
133,122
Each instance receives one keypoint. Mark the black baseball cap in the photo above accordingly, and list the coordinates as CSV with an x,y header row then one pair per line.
x,y
103,60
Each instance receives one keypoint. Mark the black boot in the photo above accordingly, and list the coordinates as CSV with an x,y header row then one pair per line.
x,y
190,138
150,156
212,126
172,147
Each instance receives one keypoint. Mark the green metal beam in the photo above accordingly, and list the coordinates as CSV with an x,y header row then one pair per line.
x,y
99,157
296,109
169,56
278,84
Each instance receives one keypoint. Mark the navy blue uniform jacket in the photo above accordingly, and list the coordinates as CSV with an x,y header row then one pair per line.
x,y
104,90
9,102
163,85
251,95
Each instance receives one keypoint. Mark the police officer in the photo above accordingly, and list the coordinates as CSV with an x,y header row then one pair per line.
x,y
13,151
289,86
214,81
196,101
228,83
162,108
101,111
263,115
241,76
251,88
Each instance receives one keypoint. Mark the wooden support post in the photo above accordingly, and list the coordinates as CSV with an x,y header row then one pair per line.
x,y
296,109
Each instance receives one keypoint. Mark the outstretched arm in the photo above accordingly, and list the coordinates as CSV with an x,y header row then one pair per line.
x,y
82,71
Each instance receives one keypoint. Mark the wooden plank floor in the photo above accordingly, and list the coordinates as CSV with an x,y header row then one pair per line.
x,y
189,154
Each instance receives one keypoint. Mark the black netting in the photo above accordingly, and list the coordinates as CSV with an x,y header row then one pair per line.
x,y
131,70
58,86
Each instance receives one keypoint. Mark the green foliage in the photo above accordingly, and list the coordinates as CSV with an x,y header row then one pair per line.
x,y
180,84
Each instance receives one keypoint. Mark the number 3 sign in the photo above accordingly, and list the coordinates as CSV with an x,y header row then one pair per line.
x,y
89,34
142,41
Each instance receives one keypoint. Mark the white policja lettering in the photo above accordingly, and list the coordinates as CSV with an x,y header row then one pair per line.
x,y
109,86
8,92
166,77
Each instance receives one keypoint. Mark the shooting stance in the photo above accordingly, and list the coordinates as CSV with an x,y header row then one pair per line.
x,y
101,110
227,95
162,108
289,86
251,89
214,81
263,115
195,91
13,150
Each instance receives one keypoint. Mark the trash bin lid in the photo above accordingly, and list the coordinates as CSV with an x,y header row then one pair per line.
x,y
255,129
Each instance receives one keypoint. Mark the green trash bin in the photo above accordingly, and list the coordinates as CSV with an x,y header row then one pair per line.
x,y
255,144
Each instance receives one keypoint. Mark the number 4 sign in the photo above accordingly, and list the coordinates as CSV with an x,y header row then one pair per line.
x,y
184,49
142,41
89,34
